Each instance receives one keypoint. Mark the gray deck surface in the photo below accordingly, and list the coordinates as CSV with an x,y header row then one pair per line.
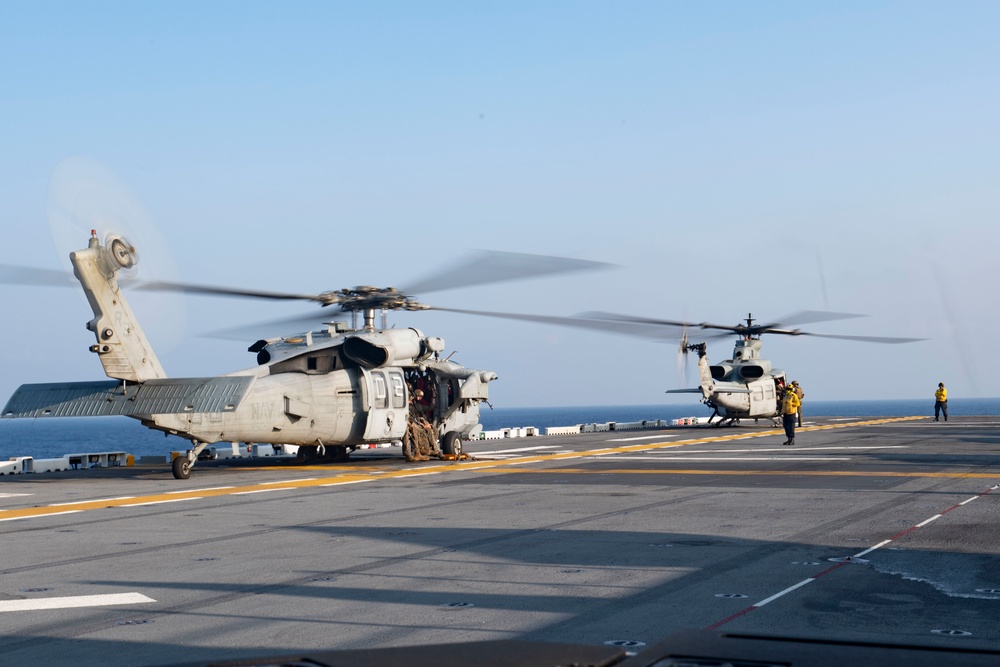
x,y
584,539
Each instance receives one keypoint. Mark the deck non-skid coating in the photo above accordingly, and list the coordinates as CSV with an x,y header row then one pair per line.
x,y
869,530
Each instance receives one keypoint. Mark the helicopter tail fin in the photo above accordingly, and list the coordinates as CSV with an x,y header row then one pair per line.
x,y
121,345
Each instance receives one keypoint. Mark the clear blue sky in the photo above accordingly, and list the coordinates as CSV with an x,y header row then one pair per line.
x,y
730,157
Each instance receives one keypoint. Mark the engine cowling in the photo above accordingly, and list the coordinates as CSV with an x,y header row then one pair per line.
x,y
390,348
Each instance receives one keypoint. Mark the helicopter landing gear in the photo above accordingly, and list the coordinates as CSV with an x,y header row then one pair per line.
x,y
182,464
182,467
319,454
451,444
306,454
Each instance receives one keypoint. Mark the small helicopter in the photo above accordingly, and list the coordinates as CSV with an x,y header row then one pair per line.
x,y
747,386
744,387
327,391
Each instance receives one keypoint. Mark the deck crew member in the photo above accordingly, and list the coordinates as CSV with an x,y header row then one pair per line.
x,y
789,414
801,394
941,402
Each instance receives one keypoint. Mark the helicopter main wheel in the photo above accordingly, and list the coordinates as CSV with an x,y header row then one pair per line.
x,y
451,444
182,467
334,454
306,453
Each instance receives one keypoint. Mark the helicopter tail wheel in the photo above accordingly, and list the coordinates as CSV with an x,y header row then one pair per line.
x,y
451,444
182,467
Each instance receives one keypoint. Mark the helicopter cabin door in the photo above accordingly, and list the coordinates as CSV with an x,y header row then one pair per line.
x,y
762,398
386,404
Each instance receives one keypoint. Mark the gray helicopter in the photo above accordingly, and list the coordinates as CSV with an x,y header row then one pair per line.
x,y
327,391
747,386
744,387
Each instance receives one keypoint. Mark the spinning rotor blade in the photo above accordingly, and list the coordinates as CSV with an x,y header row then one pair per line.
x,y
84,196
23,275
810,316
494,267
802,317
484,267
656,333
681,370
867,339
261,329
668,329
161,286
629,328
755,330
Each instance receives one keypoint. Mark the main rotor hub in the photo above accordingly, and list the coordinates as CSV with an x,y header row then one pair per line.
x,y
366,297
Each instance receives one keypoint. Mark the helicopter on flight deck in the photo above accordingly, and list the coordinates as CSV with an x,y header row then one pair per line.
x,y
744,387
747,386
327,391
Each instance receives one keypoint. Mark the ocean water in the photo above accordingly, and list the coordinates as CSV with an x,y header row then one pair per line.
x,y
54,437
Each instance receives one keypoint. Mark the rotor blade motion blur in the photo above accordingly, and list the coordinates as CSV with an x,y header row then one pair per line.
x,y
611,326
160,286
657,329
867,339
749,329
494,267
23,275
482,268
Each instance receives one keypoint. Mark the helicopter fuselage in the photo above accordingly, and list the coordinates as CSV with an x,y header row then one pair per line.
x,y
312,390
745,386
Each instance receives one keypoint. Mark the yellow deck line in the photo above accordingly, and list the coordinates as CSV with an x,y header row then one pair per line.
x,y
355,475
772,473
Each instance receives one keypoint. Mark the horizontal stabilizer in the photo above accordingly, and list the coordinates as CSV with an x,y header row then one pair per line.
x,y
716,390
107,398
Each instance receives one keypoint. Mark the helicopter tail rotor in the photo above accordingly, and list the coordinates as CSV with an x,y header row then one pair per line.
x,y
120,254
682,360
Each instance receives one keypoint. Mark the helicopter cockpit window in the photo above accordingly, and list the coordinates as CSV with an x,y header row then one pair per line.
x,y
398,393
381,395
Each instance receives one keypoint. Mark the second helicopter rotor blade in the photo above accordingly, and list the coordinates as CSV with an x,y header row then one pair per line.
x,y
495,266
811,316
868,339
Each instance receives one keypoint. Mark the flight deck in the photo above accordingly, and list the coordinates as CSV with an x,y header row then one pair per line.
x,y
867,530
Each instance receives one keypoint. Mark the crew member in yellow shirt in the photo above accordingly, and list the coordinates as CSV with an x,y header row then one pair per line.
x,y
797,388
941,402
790,404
